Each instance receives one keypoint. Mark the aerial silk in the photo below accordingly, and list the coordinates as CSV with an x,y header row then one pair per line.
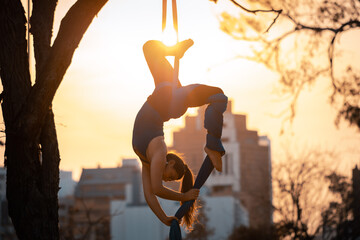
x,y
205,170
175,25
213,122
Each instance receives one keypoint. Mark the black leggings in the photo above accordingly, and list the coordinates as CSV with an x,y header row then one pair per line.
x,y
193,95
183,97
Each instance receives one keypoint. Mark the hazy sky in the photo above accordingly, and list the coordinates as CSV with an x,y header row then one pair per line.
x,y
108,81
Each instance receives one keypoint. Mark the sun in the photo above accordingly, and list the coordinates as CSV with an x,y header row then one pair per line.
x,y
169,36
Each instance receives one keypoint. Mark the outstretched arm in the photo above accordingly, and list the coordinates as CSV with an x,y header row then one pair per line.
x,y
151,198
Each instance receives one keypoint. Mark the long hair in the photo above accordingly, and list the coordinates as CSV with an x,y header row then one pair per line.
x,y
187,183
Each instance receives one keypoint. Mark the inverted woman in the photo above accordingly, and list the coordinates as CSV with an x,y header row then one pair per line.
x,y
171,100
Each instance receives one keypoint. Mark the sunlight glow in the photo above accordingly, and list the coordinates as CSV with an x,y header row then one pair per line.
x,y
169,36
109,80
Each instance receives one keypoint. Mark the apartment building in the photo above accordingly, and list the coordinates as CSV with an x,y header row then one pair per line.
x,y
90,211
246,171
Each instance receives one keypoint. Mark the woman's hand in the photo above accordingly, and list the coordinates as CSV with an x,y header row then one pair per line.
x,y
167,221
191,195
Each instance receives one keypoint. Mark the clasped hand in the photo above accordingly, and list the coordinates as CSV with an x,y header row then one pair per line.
x,y
191,194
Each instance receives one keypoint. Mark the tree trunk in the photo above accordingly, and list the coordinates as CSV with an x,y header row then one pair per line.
x,y
50,174
32,185
31,154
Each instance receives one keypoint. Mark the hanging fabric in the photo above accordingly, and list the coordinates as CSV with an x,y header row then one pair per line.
x,y
219,106
176,28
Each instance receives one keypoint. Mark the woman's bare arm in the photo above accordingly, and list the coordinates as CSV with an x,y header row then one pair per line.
x,y
151,198
157,168
157,153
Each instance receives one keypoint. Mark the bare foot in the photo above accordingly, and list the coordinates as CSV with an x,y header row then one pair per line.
x,y
215,158
183,46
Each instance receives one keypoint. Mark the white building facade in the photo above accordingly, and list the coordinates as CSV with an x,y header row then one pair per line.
x,y
137,222
66,184
7,230
241,195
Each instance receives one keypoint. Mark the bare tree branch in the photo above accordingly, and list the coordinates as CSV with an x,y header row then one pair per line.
x,y
297,184
278,12
316,25
67,40
42,20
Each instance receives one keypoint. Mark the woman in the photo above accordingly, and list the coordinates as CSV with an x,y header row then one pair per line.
x,y
171,100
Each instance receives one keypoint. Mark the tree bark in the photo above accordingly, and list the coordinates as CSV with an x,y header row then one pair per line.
x,y
31,155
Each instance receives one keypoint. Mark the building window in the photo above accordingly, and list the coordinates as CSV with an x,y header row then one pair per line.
x,y
228,164
219,189
109,176
250,141
88,177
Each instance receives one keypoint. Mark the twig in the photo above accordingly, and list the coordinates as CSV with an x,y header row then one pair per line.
x,y
260,10
278,14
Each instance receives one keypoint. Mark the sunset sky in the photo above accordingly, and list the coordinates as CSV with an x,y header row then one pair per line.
x,y
108,81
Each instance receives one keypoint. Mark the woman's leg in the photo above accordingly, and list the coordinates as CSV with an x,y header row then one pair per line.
x,y
200,95
214,123
196,95
160,68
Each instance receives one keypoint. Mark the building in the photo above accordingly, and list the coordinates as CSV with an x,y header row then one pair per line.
x,y
90,214
246,171
136,221
66,217
7,231
66,184
66,203
2,183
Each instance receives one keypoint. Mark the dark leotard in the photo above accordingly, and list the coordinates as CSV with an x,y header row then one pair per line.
x,y
150,119
171,101
148,125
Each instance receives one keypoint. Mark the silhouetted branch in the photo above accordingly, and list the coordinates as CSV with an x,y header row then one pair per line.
x,y
278,12
277,16
42,20
344,27
88,220
315,32
331,57
73,27
90,223
298,183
